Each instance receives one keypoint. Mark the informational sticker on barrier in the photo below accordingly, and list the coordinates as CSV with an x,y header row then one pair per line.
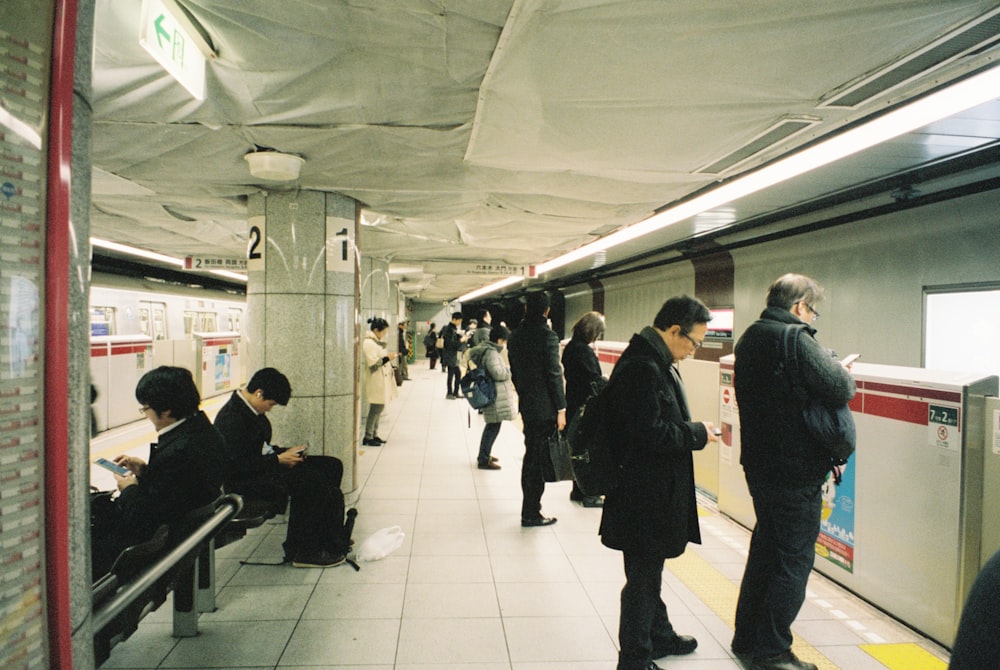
x,y
942,427
836,532
996,432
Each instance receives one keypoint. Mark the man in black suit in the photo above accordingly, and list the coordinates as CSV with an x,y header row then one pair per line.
x,y
260,470
184,471
652,514
538,379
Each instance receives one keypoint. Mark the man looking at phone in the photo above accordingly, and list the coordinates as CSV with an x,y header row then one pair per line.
x,y
652,514
260,470
184,471
784,468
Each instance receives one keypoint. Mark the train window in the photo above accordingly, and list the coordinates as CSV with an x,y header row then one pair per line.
x,y
190,321
962,329
144,320
235,319
209,322
159,321
102,321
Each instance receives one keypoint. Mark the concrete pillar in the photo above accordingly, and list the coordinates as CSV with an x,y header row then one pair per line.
x,y
302,313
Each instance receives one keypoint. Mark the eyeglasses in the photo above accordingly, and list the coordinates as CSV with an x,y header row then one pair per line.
x,y
811,309
142,409
696,343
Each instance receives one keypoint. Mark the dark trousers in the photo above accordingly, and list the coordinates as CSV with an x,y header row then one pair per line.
x,y
532,481
490,432
643,622
454,374
316,514
782,549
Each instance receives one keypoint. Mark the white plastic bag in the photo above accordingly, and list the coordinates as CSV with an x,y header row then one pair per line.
x,y
380,544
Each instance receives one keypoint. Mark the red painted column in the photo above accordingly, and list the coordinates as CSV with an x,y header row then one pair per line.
x,y
57,255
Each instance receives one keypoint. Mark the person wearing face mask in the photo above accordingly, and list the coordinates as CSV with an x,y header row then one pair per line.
x,y
489,355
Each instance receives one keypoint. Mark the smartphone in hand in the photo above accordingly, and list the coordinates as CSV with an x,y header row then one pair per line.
x,y
850,358
114,467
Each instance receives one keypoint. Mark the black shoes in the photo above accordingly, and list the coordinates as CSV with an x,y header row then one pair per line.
x,y
540,521
492,465
592,501
679,645
321,559
786,660
451,396
373,441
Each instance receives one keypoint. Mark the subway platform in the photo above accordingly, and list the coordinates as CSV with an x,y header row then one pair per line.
x,y
469,589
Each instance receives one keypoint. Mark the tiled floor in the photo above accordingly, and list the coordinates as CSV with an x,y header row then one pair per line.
x,y
469,589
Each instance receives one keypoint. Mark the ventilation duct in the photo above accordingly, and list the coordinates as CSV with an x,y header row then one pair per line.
x,y
978,35
773,135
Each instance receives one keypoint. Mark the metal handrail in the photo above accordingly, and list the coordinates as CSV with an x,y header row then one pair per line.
x,y
227,507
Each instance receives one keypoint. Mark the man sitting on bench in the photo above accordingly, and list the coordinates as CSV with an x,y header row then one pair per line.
x,y
259,470
184,472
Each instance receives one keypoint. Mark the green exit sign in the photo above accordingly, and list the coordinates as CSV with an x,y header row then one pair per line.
x,y
168,36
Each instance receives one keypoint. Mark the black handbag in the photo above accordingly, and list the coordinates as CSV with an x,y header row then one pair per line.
x,y
832,428
557,461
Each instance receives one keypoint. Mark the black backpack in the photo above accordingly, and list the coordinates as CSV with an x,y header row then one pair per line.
x,y
478,388
595,468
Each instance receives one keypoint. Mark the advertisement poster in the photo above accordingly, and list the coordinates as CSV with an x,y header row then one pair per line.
x,y
836,532
222,373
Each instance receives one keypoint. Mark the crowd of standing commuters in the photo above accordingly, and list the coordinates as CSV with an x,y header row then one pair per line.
x,y
650,514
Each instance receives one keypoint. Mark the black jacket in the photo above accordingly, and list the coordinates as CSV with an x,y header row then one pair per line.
x,y
653,511
245,433
184,473
535,370
774,442
582,369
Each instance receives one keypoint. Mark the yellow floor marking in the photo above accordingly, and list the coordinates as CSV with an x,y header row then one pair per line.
x,y
907,656
720,595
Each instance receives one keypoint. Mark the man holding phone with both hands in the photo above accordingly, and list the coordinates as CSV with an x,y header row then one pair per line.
x,y
260,470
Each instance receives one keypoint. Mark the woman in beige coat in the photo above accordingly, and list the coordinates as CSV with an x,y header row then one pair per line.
x,y
380,386
489,355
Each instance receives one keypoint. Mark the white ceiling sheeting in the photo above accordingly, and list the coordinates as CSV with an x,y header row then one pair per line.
x,y
483,131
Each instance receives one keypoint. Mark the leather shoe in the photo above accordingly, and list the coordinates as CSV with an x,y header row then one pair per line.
x,y
493,459
540,521
786,660
679,645
489,466
592,501
320,559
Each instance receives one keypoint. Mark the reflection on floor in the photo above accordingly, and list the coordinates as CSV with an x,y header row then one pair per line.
x,y
469,589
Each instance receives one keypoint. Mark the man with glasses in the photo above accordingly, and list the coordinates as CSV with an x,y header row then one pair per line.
x,y
652,514
184,472
784,469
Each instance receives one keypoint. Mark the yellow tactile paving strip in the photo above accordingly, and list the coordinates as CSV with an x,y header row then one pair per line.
x,y
904,657
720,595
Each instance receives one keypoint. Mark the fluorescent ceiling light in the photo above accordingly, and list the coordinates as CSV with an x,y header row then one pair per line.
x,y
968,93
134,251
231,275
496,286
153,256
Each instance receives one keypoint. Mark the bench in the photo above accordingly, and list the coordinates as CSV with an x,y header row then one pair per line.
x,y
144,574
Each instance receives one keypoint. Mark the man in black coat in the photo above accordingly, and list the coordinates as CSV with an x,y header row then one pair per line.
x,y
184,472
784,468
537,375
260,470
652,514
454,343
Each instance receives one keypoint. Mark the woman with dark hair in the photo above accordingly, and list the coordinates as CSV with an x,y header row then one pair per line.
x,y
380,388
583,375
489,355
184,471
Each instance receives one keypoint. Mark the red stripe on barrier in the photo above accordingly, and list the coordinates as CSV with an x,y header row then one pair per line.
x,y
912,391
900,409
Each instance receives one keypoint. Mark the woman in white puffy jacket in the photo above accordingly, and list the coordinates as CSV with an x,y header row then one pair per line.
x,y
380,386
